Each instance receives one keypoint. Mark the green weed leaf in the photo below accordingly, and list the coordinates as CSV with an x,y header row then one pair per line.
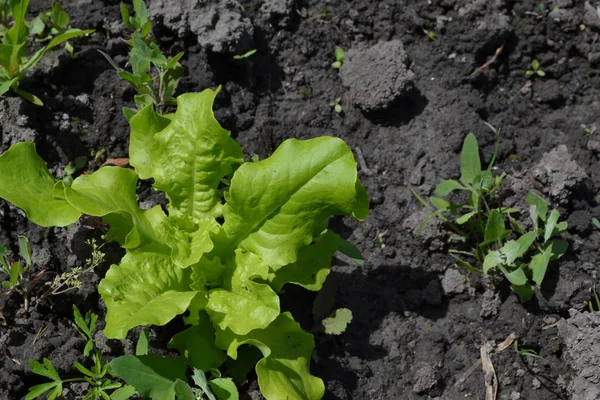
x,y
350,250
551,225
516,277
141,348
445,187
539,265
495,228
541,207
470,163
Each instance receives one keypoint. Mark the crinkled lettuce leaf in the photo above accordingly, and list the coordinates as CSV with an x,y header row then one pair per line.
x,y
284,370
146,288
241,304
189,157
274,206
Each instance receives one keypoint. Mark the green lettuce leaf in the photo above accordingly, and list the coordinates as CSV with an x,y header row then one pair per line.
x,y
197,345
275,206
26,182
284,370
189,157
151,375
146,288
313,265
241,304
112,190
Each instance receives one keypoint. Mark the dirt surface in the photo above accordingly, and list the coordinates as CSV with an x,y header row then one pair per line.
x,y
408,102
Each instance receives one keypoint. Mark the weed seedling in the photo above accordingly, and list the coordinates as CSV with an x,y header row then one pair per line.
x,y
19,279
97,376
589,129
525,352
14,61
51,23
245,55
481,241
535,69
72,168
596,223
71,280
339,58
153,75
594,304
337,105
432,35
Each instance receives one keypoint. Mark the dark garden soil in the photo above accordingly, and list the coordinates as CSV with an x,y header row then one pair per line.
x,y
408,102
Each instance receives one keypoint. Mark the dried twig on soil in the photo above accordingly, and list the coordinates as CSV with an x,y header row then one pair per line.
x,y
501,347
490,61
119,162
491,381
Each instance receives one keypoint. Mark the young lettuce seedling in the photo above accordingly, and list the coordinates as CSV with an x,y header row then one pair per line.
x,y
480,226
14,62
236,232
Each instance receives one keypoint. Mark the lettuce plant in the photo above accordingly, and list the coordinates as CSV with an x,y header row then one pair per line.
x,y
14,63
234,235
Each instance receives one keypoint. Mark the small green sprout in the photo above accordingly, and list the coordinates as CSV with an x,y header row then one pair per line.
x,y
72,168
589,129
339,58
432,35
337,105
139,22
594,304
337,322
245,55
18,278
381,239
596,222
525,352
535,69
